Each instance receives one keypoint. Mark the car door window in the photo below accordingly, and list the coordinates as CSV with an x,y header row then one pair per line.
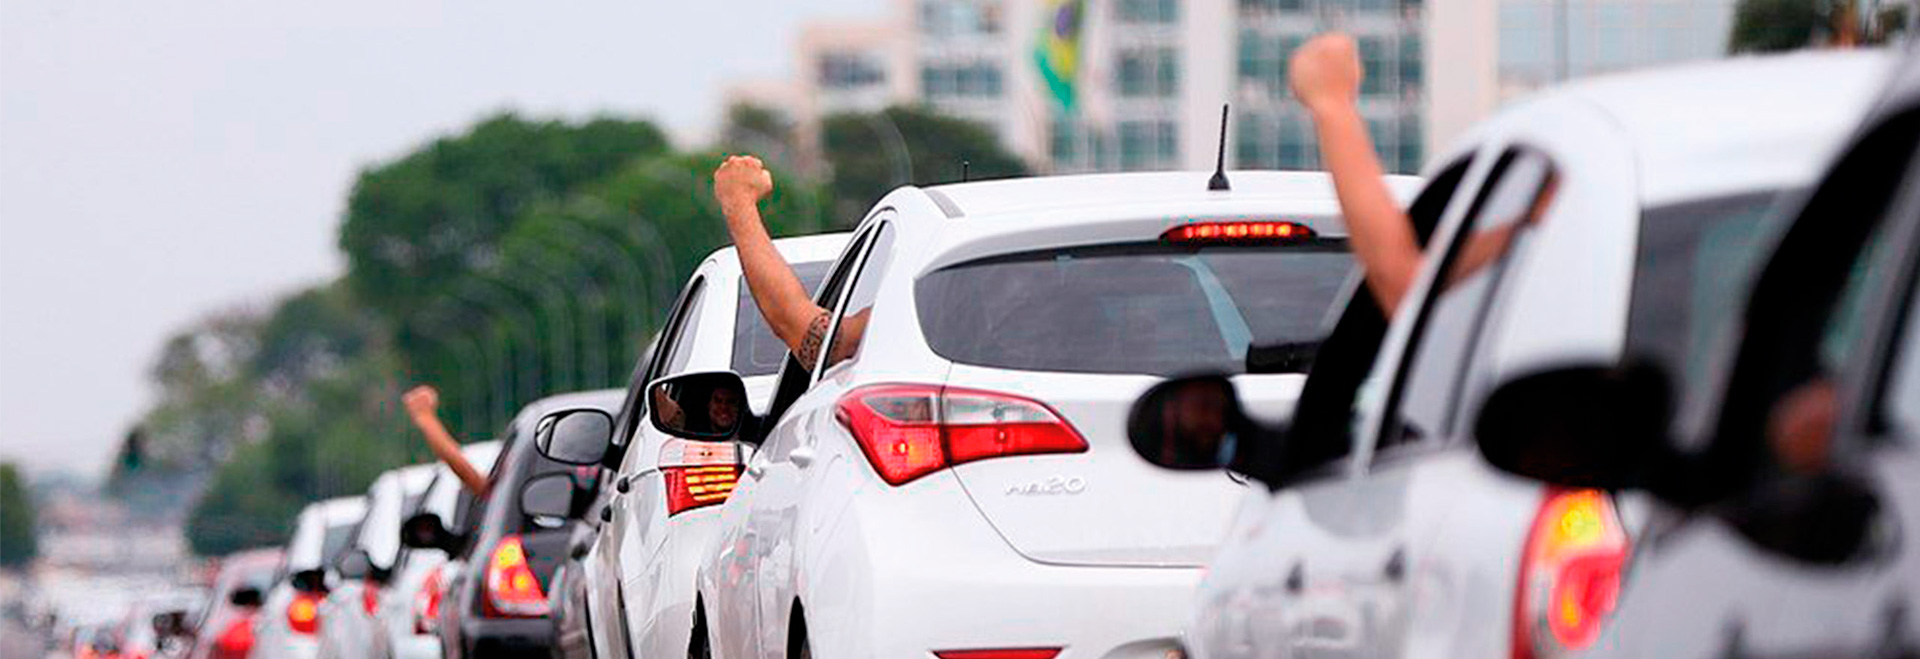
x,y
680,347
849,328
1321,435
794,376
1420,404
1897,412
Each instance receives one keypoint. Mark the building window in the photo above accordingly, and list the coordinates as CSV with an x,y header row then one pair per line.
x,y
1149,72
949,18
1148,145
1412,69
975,79
1373,56
1412,144
1147,11
848,70
1296,145
1256,142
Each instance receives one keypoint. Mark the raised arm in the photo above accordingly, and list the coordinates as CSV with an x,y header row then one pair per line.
x,y
739,185
1325,74
423,407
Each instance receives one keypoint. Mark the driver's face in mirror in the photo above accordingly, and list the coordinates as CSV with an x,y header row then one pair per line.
x,y
1195,423
723,409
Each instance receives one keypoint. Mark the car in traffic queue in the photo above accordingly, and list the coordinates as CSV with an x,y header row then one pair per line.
x,y
1782,479
1606,220
349,627
493,599
958,483
225,629
635,580
409,603
288,624
156,626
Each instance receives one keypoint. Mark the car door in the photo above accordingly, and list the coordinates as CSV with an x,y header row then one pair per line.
x,y
606,625
1793,535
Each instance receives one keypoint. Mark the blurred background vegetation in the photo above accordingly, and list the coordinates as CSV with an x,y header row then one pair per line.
x,y
517,259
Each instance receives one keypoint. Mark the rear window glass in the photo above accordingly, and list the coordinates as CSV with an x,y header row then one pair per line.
x,y
335,540
1139,308
1692,266
756,351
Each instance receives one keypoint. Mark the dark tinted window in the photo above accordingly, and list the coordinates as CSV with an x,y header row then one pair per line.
x,y
1140,308
756,351
1688,281
334,541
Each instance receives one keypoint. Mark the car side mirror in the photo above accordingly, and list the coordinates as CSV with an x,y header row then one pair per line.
x,y
575,437
550,496
426,531
309,581
708,406
1600,427
170,624
246,596
353,564
1189,423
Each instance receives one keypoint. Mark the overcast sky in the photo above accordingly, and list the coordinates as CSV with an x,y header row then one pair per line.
x,y
162,159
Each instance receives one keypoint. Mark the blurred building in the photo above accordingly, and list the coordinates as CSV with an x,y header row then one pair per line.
x,y
1120,85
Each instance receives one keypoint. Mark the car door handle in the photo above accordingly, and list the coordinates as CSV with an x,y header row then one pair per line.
x,y
1396,568
1296,579
755,470
801,456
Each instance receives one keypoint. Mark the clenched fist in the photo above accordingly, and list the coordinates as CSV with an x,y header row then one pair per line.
x,y
423,400
1325,72
741,181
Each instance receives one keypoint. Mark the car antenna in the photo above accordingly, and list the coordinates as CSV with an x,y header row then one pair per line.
x,y
965,165
1219,180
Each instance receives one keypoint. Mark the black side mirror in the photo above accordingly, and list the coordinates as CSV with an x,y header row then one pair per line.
x,y
309,581
1584,426
425,531
575,437
709,406
353,564
550,496
1189,423
170,624
246,596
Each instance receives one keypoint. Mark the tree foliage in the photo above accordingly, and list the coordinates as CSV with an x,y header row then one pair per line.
x,y
19,541
873,153
1766,26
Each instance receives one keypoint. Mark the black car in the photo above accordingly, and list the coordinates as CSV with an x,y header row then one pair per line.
x,y
494,600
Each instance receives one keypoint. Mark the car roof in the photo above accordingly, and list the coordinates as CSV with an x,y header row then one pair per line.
x,y
1736,124
413,478
338,511
605,399
1031,197
820,247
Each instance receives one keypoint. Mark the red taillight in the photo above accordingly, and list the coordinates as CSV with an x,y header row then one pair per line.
x,y
698,474
236,640
426,603
370,596
910,430
1570,576
512,590
303,613
1012,653
1237,232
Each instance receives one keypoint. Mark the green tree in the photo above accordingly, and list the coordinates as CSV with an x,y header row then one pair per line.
x,y
1761,26
19,542
873,153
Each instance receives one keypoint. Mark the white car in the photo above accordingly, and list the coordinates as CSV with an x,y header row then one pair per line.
x,y
1608,221
638,573
288,622
408,603
961,486
347,627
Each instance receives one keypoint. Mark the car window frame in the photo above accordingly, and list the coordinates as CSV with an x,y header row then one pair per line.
x,y
1383,455
1326,406
794,379
883,221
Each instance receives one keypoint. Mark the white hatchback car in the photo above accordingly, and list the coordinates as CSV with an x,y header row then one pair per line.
x,y
961,487
288,621
659,518
409,603
1608,221
347,612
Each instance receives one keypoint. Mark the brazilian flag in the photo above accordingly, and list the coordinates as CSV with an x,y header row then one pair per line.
x,y
1058,51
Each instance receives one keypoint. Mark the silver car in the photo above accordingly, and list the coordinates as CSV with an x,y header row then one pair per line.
x,y
288,624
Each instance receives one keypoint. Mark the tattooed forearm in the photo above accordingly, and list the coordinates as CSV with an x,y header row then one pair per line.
x,y
809,352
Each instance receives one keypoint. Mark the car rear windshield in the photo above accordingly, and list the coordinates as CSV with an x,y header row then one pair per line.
x,y
756,351
1136,308
334,541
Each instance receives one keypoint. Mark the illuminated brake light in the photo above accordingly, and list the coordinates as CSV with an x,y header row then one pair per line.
x,y
370,596
236,640
303,613
910,430
1012,653
512,590
698,474
1570,574
1237,232
426,603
